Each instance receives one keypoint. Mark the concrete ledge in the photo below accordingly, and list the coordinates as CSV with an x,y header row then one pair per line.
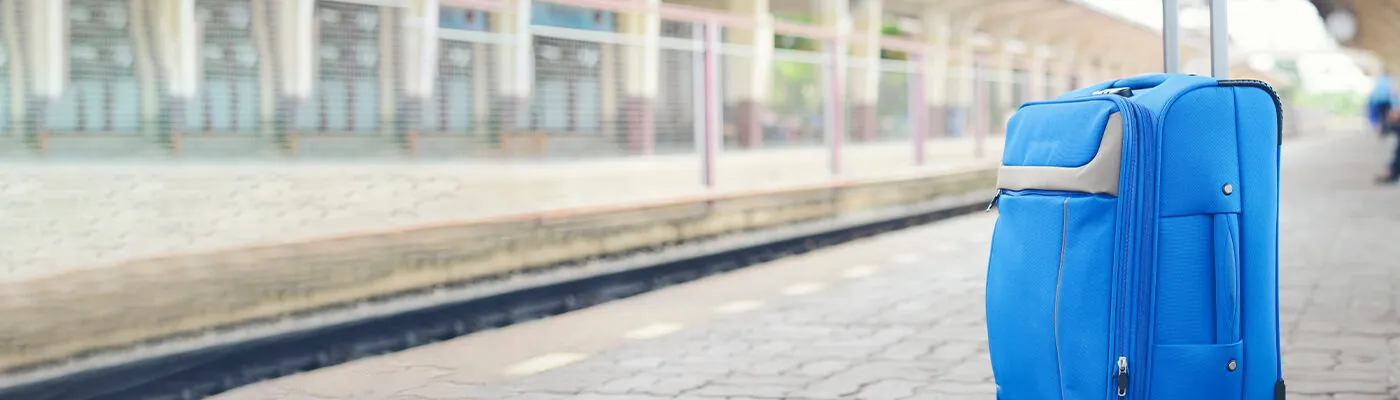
x,y
86,312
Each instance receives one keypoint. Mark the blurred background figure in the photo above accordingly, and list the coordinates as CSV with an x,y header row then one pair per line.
x,y
1380,112
1378,104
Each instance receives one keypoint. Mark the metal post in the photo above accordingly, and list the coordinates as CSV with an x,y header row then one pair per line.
x,y
979,108
524,46
1171,41
835,100
698,85
710,140
918,108
1219,40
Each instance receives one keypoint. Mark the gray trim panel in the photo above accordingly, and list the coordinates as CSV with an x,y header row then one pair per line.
x,y
1098,176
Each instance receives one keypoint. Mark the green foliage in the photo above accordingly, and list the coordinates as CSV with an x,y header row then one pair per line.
x,y
795,84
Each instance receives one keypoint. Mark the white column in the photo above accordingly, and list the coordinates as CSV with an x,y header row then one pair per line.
x,y
749,81
388,69
514,63
641,60
1066,58
865,74
834,15
1006,83
937,35
1104,71
46,28
177,45
967,61
296,46
144,63
609,99
10,23
968,82
641,65
262,41
420,47
1035,73
1088,74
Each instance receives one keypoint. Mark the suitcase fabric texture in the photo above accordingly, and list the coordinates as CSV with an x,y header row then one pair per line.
x,y
1135,252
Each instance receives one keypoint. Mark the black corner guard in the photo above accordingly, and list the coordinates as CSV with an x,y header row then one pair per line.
x,y
1279,390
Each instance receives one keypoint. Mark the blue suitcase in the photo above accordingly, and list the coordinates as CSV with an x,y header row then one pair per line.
x,y
1136,248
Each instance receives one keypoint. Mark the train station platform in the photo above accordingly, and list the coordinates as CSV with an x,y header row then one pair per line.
x,y
82,215
110,263
900,316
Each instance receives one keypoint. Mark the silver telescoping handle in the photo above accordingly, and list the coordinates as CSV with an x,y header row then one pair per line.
x,y
1171,42
1219,39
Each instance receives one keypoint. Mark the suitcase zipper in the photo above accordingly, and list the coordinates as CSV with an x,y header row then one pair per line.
x,y
1126,274
1122,376
1146,140
1136,118
1122,91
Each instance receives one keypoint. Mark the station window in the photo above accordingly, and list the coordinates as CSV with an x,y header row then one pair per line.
x,y
103,80
227,100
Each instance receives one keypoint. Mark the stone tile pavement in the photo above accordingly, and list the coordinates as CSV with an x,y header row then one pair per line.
x,y
910,333
917,332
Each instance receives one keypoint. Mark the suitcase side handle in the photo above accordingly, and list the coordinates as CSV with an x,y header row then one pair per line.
x,y
1144,81
1139,82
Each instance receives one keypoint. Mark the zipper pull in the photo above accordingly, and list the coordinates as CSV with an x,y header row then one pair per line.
x,y
1122,376
1122,91
993,203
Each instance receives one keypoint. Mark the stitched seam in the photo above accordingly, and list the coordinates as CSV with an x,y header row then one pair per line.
x,y
1059,276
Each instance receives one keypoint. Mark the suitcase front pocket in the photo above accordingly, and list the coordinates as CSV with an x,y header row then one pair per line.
x,y
1049,284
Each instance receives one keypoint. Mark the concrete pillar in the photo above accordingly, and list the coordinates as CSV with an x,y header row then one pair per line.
x,y
389,27
1102,70
418,65
46,28
938,33
609,97
514,64
1064,71
296,46
19,83
968,78
865,72
1088,72
144,63
834,16
177,45
749,79
420,48
1035,74
481,87
641,65
262,41
1006,84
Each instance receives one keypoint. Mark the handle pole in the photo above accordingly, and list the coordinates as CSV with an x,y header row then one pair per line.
x,y
1171,41
1219,40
